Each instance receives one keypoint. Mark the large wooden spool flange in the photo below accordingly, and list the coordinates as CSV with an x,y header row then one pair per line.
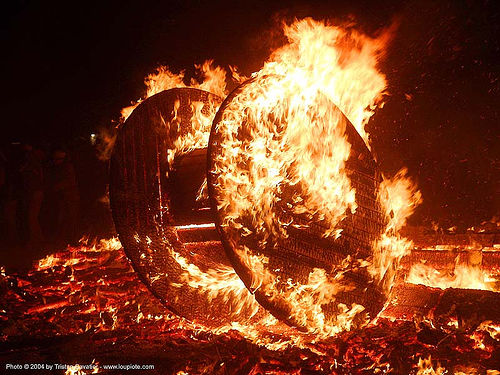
x,y
158,207
293,258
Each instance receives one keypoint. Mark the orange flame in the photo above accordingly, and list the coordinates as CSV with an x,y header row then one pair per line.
x,y
218,282
213,80
321,64
399,197
340,63
462,276
425,367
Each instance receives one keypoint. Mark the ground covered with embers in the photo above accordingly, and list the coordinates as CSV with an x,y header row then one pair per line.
x,y
86,305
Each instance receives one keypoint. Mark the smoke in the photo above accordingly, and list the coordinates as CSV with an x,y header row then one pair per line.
x,y
106,142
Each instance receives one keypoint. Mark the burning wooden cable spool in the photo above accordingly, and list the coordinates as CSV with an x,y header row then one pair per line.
x,y
276,177
158,170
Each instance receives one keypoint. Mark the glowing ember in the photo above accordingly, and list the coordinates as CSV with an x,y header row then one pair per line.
x,y
94,305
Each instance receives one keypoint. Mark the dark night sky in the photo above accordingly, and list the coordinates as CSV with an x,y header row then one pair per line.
x,y
70,66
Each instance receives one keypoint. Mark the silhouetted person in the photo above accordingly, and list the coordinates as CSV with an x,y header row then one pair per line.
x,y
12,192
62,185
3,176
92,177
3,167
32,177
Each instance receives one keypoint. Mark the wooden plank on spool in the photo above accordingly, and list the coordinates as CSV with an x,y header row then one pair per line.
x,y
464,308
447,259
186,182
424,239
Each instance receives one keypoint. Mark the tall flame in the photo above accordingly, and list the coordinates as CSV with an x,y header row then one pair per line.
x,y
340,63
321,64
399,197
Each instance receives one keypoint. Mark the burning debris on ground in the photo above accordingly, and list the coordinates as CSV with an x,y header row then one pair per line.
x,y
258,234
86,304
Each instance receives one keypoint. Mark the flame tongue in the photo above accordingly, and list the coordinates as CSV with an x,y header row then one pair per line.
x,y
340,63
213,80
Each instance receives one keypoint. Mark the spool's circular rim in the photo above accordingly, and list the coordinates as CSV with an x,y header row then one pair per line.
x,y
244,272
117,186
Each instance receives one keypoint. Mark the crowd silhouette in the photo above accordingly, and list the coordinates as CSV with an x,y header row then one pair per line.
x,y
50,197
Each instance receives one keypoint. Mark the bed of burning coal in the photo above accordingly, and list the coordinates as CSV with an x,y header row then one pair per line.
x,y
86,305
